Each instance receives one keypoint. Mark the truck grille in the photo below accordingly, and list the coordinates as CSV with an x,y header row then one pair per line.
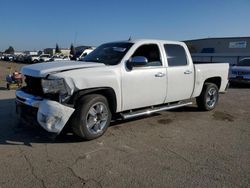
x,y
33,86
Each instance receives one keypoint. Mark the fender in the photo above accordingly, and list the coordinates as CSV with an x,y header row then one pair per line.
x,y
108,92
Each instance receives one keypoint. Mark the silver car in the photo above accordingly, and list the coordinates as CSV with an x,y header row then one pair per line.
x,y
240,73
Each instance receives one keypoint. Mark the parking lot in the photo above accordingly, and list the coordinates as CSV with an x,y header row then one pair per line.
x,y
178,148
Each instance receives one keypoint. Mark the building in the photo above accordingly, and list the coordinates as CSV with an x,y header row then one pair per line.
x,y
52,51
65,51
227,49
31,52
18,53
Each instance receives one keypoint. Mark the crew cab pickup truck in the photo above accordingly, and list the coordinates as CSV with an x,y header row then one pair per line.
x,y
120,79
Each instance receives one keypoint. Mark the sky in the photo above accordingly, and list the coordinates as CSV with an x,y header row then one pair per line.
x,y
35,25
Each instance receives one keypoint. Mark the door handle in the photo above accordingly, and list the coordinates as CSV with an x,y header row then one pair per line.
x,y
159,74
188,72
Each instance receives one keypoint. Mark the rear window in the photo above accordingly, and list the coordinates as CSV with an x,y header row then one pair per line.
x,y
176,55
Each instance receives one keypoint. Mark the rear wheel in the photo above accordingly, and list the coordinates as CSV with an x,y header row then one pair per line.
x,y
209,97
92,117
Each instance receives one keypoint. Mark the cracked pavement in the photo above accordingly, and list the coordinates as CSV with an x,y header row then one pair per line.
x,y
178,148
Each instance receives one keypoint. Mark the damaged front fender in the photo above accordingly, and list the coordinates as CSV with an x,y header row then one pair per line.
x,y
53,116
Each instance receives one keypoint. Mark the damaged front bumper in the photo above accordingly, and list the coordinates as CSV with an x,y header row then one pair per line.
x,y
50,115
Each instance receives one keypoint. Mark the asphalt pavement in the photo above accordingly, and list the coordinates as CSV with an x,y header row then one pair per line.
x,y
178,148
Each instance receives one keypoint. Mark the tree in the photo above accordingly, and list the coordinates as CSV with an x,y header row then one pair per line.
x,y
72,50
57,49
10,50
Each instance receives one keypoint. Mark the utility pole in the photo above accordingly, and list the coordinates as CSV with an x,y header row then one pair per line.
x,y
75,38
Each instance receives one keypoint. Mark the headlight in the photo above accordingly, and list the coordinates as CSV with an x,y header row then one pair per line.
x,y
54,86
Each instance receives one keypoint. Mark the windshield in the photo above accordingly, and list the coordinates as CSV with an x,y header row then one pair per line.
x,y
109,54
244,63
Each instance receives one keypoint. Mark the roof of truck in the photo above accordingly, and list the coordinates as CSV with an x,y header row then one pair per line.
x,y
151,41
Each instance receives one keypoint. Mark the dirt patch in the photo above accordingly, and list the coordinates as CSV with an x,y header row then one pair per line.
x,y
116,127
164,121
223,116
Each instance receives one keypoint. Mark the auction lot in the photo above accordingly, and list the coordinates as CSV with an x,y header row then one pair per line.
x,y
178,148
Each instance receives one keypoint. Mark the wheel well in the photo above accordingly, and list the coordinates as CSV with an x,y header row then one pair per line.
x,y
214,80
107,92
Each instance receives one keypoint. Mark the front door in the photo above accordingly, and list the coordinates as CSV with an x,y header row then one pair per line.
x,y
144,85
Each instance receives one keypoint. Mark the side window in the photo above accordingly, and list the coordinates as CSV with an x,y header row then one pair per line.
x,y
176,55
151,52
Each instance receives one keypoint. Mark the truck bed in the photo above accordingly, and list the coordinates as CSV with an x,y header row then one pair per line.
x,y
205,70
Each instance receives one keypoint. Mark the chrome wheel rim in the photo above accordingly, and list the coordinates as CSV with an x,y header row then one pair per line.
x,y
97,118
212,96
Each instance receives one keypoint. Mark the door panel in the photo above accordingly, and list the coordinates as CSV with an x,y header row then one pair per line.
x,y
143,87
180,83
180,73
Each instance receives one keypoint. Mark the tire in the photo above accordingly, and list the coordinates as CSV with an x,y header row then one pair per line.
x,y
36,61
91,117
208,98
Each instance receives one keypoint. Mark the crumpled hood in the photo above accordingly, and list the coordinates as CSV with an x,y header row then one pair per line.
x,y
43,69
241,68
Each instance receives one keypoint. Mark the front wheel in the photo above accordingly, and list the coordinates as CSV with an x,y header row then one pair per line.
x,y
92,117
209,97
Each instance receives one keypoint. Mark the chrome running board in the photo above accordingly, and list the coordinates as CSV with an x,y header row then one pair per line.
x,y
148,111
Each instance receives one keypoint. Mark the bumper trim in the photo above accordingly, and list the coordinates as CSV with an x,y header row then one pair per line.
x,y
28,99
50,115
237,80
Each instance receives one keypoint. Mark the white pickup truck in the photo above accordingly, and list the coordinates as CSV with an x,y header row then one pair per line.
x,y
128,78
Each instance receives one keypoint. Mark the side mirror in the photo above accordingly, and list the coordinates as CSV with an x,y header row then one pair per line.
x,y
136,61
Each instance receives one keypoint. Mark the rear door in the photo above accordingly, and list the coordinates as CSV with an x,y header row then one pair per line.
x,y
180,71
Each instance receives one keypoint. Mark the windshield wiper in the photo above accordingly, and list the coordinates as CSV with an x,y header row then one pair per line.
x,y
94,61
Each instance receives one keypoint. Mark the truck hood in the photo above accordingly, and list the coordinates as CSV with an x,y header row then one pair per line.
x,y
43,69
